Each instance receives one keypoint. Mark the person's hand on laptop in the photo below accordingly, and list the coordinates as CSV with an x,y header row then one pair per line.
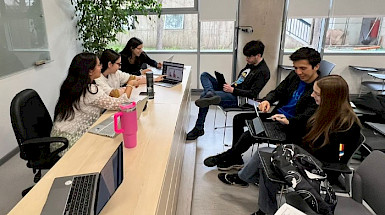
x,y
159,78
264,106
280,118
228,88
159,65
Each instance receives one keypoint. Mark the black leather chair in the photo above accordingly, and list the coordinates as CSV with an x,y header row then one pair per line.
x,y
32,125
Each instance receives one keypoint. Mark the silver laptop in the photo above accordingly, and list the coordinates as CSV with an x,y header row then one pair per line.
x,y
173,74
378,127
86,193
106,127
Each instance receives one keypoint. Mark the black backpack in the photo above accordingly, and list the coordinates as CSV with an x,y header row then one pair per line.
x,y
373,103
304,174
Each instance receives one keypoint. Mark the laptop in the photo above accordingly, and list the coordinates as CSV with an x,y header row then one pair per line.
x,y
106,127
173,74
157,71
264,130
86,193
220,78
377,126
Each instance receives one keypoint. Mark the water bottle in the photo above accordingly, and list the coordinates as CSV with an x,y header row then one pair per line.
x,y
128,124
150,84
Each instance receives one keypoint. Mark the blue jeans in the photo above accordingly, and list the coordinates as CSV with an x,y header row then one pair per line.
x,y
253,173
228,100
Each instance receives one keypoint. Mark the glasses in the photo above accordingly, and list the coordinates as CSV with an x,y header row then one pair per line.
x,y
119,64
248,57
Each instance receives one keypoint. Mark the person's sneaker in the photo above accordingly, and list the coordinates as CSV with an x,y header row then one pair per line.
x,y
232,179
207,101
213,160
230,163
194,134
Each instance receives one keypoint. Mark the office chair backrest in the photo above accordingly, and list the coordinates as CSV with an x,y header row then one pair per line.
x,y
368,182
30,118
326,68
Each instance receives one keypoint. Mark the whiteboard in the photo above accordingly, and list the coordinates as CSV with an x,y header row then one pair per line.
x,y
23,37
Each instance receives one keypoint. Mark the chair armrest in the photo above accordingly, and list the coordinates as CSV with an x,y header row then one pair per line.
x,y
45,141
337,167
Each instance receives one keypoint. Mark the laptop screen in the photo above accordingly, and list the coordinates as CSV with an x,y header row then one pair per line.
x,y
173,71
110,178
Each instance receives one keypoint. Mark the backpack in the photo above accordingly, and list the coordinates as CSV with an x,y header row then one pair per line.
x,y
374,103
304,174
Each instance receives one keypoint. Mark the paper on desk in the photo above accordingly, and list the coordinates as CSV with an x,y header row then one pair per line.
x,y
252,102
287,209
156,71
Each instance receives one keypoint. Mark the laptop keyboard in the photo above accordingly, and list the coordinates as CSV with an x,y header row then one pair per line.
x,y
274,130
109,129
79,199
169,81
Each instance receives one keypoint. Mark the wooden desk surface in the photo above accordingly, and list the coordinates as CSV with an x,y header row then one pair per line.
x,y
151,170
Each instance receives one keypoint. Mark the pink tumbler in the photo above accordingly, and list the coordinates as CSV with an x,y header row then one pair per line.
x,y
128,124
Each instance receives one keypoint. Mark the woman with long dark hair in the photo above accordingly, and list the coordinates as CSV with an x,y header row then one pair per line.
x,y
333,123
81,101
133,58
112,78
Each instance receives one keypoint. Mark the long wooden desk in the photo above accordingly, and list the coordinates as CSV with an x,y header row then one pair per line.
x,y
151,170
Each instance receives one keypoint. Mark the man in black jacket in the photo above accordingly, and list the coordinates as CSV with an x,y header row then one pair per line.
x,y
294,108
250,82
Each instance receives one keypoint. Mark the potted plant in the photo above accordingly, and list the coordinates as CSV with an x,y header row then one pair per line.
x,y
99,21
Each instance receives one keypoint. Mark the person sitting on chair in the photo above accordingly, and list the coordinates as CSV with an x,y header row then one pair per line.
x,y
294,108
112,78
134,59
81,101
250,82
333,123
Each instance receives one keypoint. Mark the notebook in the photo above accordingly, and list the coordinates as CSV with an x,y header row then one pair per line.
x,y
220,78
106,127
266,130
173,74
86,193
157,71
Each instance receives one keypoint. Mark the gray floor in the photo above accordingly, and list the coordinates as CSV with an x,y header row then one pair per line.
x,y
210,196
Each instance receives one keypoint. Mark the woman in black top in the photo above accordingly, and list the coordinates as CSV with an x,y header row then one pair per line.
x,y
133,58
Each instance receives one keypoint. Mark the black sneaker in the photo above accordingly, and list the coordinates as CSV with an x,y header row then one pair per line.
x,y
230,163
194,134
207,101
213,160
232,179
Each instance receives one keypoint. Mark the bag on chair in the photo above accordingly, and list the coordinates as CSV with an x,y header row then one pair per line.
x,y
304,174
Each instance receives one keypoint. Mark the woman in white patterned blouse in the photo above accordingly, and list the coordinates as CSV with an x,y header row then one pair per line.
x,y
81,102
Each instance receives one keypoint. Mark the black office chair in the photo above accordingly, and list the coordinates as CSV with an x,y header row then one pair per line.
x,y
32,125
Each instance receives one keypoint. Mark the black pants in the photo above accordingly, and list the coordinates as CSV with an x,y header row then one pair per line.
x,y
242,140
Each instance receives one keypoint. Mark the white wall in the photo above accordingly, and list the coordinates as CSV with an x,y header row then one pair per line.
x,y
266,18
45,79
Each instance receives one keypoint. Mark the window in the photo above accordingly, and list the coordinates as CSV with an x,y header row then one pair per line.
x,y
217,35
355,35
302,32
177,3
173,21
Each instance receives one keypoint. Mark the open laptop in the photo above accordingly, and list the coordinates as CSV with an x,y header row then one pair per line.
x,y
378,127
86,193
106,127
157,71
173,74
264,130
